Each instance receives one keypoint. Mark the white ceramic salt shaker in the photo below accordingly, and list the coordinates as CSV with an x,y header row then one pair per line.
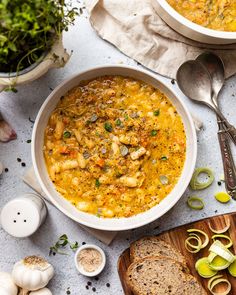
x,y
22,216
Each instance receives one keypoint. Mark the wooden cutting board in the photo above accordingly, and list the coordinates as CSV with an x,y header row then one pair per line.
x,y
177,236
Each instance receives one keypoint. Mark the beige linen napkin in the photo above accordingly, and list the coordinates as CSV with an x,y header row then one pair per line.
x,y
136,29
104,236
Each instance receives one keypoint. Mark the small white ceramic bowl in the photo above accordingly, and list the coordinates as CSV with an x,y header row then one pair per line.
x,y
81,269
189,29
112,224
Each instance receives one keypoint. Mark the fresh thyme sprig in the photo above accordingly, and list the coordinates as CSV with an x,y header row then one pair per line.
x,y
62,242
29,28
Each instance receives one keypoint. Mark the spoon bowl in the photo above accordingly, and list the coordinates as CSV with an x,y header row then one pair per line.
x,y
195,82
216,69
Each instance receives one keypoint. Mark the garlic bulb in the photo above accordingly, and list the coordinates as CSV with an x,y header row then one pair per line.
x,y
44,291
7,285
32,273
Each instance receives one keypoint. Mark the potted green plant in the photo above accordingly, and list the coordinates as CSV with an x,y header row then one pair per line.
x,y
31,38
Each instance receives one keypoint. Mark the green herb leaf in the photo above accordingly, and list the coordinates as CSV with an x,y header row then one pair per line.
x,y
126,117
118,122
74,246
108,126
97,183
66,134
156,113
61,244
29,28
164,158
153,133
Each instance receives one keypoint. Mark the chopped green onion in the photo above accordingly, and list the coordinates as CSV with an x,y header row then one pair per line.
x,y
66,134
222,197
126,117
221,236
156,113
153,132
97,183
195,203
203,269
195,184
216,280
118,122
164,179
108,127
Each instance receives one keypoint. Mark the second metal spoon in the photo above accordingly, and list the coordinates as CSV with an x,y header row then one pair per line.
x,y
195,82
215,67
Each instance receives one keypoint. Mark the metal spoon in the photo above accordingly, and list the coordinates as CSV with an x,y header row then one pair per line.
x,y
215,67
195,82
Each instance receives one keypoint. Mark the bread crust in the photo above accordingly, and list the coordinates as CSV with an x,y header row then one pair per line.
x,y
183,272
133,247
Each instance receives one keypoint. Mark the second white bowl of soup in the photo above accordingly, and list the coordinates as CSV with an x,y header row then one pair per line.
x,y
114,148
211,22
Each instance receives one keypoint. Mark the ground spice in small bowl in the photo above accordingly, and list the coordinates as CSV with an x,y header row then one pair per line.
x,y
90,259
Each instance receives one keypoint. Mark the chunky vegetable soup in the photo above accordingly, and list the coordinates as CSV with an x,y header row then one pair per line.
x,y
214,14
114,146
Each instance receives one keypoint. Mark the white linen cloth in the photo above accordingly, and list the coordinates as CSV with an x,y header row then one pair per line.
x,y
136,29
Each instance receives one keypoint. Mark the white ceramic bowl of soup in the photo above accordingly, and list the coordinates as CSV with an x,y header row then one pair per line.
x,y
191,30
112,224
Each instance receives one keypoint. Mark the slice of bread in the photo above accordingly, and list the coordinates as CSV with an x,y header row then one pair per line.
x,y
153,246
161,276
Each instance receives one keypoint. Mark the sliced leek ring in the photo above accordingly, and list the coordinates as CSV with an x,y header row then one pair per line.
x,y
195,184
220,231
232,268
221,236
206,240
218,248
222,197
196,248
203,269
218,279
195,203
216,262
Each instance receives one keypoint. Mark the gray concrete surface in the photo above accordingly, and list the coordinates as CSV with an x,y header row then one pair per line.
x,y
89,51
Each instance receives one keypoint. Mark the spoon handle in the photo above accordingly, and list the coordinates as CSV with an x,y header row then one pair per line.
x,y
228,162
231,130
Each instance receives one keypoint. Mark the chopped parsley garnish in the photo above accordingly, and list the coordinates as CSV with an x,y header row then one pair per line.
x,y
118,122
153,132
164,158
156,113
108,127
66,134
97,183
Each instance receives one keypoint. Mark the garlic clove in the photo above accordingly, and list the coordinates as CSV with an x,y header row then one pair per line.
x,y
44,291
7,285
6,132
